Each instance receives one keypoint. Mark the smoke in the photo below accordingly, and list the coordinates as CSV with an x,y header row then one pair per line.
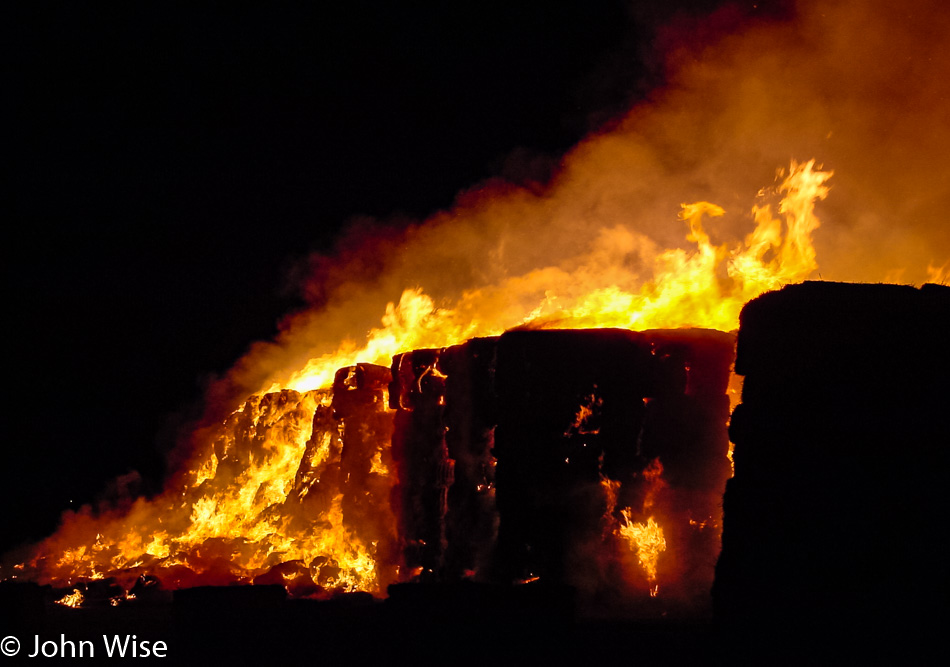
x,y
857,86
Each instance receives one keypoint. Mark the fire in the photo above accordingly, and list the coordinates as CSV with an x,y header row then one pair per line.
x,y
647,540
73,599
236,518
587,410
703,287
264,497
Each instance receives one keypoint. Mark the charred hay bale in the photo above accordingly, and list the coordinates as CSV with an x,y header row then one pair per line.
x,y
688,434
471,519
840,453
569,407
424,470
705,358
688,410
683,458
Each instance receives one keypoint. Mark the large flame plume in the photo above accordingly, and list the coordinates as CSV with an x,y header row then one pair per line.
x,y
855,86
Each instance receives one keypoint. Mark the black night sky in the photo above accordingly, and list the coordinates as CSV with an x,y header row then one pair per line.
x,y
172,165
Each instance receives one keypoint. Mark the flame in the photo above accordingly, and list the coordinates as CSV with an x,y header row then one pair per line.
x,y
702,287
588,408
939,274
227,523
73,599
647,540
240,509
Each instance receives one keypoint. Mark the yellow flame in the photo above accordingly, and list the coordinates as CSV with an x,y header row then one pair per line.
x,y
647,540
240,518
703,287
235,511
73,599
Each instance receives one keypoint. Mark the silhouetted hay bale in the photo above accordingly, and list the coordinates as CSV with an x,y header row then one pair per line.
x,y
685,429
471,520
424,470
567,409
706,357
840,453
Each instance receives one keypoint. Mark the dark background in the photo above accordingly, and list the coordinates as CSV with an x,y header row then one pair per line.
x,y
171,167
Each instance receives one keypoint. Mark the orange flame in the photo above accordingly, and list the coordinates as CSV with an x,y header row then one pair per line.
x,y
647,540
705,287
236,514
73,599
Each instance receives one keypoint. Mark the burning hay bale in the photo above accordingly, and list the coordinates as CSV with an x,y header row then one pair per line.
x,y
569,410
684,430
840,455
579,424
318,474
610,445
360,406
591,459
612,449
